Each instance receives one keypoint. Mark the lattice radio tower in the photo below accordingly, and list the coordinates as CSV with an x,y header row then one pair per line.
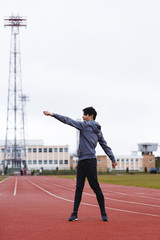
x,y
15,147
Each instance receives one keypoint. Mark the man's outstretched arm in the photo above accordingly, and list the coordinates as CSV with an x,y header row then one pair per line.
x,y
66,120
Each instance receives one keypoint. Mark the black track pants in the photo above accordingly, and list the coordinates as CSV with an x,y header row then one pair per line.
x,y
88,168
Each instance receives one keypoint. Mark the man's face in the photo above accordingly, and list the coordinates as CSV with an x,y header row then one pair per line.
x,y
87,117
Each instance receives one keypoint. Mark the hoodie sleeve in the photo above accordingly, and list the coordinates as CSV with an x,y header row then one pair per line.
x,y
106,148
76,124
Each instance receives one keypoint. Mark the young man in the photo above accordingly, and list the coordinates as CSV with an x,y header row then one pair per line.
x,y
90,135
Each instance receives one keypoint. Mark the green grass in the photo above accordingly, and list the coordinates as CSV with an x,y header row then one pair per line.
x,y
2,178
137,180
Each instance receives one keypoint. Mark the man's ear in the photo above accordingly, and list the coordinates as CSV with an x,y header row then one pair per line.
x,y
92,116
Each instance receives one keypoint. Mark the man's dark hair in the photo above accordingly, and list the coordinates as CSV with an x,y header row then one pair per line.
x,y
90,111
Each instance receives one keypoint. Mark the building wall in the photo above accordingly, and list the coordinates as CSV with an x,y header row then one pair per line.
x,y
103,163
54,156
149,161
48,157
133,162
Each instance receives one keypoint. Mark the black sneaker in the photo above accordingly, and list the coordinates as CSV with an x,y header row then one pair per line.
x,y
73,217
104,217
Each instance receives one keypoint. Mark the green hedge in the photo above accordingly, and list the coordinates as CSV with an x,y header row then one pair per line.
x,y
59,172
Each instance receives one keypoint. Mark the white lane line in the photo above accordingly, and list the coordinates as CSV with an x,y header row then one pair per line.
x,y
140,193
88,204
15,188
49,192
112,199
144,204
130,194
4,180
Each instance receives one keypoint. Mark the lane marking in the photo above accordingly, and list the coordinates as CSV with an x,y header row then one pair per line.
x,y
144,204
134,195
130,194
113,199
15,188
93,205
140,193
133,189
50,192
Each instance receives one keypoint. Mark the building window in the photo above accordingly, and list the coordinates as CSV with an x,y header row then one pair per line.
x,y
61,150
55,161
40,149
131,160
29,150
99,161
150,160
50,161
34,161
34,150
127,160
29,162
50,149
136,159
45,161
60,161
122,160
39,161
2,150
65,161
8,162
66,150
55,149
45,149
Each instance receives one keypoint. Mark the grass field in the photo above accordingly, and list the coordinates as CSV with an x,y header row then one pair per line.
x,y
137,180
2,178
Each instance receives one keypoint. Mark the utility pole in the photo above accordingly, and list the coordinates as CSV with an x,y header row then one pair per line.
x,y
15,147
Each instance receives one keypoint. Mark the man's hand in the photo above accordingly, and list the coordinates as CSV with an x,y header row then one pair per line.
x,y
47,113
114,164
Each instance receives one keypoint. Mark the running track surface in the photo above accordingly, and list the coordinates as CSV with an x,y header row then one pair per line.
x,y
38,208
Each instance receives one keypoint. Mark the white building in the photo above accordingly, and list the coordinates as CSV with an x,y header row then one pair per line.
x,y
133,162
39,155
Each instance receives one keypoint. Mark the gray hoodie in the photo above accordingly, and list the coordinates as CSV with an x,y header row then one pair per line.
x,y
90,134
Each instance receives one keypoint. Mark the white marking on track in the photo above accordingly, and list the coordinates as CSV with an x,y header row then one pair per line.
x,y
113,199
88,204
140,193
50,192
133,195
15,188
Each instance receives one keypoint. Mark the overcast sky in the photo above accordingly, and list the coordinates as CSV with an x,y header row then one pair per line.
x,y
75,54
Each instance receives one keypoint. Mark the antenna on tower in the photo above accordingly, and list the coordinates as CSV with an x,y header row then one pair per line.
x,y
15,147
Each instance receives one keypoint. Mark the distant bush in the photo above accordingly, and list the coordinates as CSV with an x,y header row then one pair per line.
x,y
59,172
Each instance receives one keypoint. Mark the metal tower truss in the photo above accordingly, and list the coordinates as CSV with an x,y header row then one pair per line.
x,y
15,147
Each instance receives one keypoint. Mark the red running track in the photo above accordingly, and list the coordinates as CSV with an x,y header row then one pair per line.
x,y
38,208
